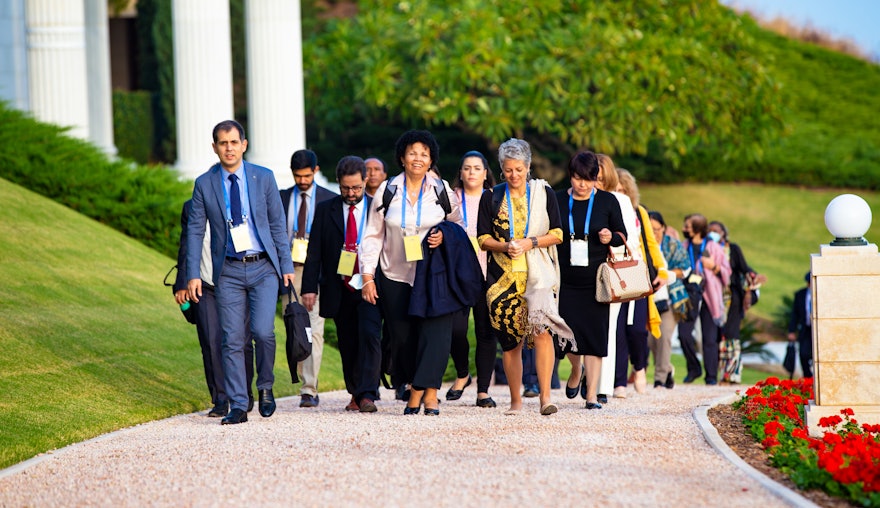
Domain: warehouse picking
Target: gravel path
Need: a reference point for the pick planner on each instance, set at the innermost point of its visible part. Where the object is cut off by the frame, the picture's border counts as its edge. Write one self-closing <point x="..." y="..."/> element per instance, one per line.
<point x="646" y="450"/>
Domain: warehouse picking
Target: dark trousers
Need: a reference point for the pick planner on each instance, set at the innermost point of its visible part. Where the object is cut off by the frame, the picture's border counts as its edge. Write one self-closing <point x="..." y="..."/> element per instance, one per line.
<point x="484" y="356"/>
<point x="710" y="345"/>
<point x="420" y="345"/>
<point x="805" y="350"/>
<point x="359" y="329"/>
<point x="632" y="340"/>
<point x="210" y="339"/>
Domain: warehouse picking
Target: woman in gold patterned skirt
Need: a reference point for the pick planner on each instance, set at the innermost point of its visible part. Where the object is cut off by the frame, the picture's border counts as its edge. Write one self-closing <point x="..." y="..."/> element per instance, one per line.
<point x="523" y="272"/>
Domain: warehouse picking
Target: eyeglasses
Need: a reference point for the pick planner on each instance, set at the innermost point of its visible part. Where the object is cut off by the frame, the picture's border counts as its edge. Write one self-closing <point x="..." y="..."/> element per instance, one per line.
<point x="345" y="189"/>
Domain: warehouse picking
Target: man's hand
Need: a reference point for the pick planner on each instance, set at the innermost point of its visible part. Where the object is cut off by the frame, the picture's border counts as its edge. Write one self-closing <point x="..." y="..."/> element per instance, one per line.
<point x="180" y="296"/>
<point x="194" y="289"/>
<point x="287" y="279"/>
<point x="308" y="300"/>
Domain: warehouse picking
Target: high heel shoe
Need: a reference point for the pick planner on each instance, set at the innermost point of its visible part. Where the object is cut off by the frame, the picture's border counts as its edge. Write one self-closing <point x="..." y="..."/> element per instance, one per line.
<point x="456" y="394"/>
<point x="432" y="412"/>
<point x="411" y="410"/>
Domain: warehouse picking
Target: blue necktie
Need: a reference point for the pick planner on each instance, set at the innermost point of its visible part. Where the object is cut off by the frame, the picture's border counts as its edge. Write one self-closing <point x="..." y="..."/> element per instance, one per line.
<point x="235" y="200"/>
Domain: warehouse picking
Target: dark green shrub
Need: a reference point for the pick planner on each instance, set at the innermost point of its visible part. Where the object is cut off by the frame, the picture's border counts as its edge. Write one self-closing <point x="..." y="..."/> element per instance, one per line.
<point x="133" y="124"/>
<point x="143" y="202"/>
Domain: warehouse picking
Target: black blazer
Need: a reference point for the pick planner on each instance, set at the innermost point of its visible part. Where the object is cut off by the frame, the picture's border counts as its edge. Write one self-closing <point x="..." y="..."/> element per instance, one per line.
<point x="322" y="259"/>
<point x="321" y="195"/>
<point x="180" y="281"/>
<point x="798" y="321"/>
<point x="449" y="277"/>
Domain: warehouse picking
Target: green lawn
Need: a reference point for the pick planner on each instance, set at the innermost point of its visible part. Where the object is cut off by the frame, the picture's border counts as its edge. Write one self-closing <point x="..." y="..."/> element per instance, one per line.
<point x="92" y="341"/>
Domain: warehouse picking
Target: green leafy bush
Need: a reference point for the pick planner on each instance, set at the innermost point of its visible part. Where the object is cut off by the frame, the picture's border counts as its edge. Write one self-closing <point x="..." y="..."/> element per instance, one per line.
<point x="133" y="124"/>
<point x="143" y="202"/>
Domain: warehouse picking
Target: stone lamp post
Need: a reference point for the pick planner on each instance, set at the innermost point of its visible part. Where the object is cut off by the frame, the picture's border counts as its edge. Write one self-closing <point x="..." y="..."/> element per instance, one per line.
<point x="845" y="289"/>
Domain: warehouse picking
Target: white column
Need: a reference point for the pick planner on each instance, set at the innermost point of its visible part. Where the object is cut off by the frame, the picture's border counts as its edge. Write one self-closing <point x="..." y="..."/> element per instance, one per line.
<point x="276" y="108"/>
<point x="202" y="79"/>
<point x="98" y="65"/>
<point x="56" y="47"/>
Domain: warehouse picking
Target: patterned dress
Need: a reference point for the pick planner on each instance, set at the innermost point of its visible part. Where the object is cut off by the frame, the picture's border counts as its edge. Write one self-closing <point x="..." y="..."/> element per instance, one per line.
<point x="507" y="306"/>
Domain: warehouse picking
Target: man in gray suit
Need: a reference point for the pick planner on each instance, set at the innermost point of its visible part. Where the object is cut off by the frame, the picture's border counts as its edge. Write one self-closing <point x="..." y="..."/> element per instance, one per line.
<point x="249" y="254"/>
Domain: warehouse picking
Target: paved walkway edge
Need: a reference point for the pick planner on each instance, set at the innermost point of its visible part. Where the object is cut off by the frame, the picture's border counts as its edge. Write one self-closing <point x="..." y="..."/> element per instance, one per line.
<point x="701" y="415"/>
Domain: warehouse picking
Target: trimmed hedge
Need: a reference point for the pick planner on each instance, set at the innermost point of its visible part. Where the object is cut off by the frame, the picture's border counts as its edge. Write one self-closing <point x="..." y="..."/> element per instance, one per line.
<point x="144" y="202"/>
<point x="133" y="124"/>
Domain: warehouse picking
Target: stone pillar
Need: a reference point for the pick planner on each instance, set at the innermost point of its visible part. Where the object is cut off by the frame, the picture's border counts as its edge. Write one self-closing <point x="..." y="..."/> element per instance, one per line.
<point x="276" y="108"/>
<point x="202" y="79"/>
<point x="13" y="55"/>
<point x="98" y="65"/>
<point x="56" y="48"/>
<point x="845" y="319"/>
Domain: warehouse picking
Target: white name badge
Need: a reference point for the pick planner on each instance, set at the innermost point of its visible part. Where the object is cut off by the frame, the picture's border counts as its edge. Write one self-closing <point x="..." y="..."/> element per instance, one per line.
<point x="309" y="334"/>
<point x="695" y="278"/>
<point x="241" y="237"/>
<point x="519" y="264"/>
<point x="580" y="254"/>
<point x="299" y="250"/>
<point x="412" y="244"/>
<point x="346" y="263"/>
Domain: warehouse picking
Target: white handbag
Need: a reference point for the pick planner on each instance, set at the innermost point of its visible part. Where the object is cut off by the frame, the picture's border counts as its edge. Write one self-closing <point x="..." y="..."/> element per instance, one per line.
<point x="622" y="280"/>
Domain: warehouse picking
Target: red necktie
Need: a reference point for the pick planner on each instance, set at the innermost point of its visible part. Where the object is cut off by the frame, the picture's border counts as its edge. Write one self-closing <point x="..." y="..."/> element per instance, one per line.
<point x="351" y="236"/>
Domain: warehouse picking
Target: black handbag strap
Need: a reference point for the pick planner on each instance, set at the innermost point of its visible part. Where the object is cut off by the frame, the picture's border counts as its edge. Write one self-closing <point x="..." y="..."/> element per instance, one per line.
<point x="292" y="290"/>
<point x="165" y="280"/>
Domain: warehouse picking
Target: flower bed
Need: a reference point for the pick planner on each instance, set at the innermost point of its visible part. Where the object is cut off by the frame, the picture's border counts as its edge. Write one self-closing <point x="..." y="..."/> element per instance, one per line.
<point x="844" y="462"/>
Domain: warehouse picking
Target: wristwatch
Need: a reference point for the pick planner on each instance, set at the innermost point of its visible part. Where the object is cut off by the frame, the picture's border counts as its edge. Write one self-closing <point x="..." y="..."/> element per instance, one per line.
<point x="534" y="242"/>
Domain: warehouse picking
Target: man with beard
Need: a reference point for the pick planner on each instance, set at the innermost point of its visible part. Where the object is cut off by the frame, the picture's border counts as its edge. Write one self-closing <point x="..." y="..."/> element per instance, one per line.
<point x="300" y="203"/>
<point x="332" y="265"/>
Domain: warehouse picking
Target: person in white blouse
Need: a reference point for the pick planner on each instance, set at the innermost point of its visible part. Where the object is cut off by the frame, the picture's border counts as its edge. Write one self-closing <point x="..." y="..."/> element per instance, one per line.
<point x="392" y="243"/>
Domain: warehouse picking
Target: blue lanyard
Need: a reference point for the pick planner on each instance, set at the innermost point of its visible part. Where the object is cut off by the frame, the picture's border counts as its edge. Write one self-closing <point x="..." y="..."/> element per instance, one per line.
<point x="403" y="205"/>
<point x="310" y="216"/>
<point x="589" y="213"/>
<point x="360" y="227"/>
<point x="510" y="210"/>
<point x="698" y="265"/>
<point x="245" y="202"/>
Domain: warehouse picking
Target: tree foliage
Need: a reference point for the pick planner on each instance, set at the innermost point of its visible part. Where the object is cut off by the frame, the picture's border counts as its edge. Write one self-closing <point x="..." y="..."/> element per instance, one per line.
<point x="666" y="77"/>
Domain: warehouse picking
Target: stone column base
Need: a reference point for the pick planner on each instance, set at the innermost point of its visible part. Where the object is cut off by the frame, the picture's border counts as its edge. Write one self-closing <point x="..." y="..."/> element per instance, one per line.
<point x="813" y="413"/>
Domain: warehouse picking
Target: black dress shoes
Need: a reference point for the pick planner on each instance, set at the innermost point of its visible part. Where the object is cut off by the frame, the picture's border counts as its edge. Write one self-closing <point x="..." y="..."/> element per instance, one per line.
<point x="307" y="400"/>
<point x="572" y="392"/>
<point x="670" y="381"/>
<point x="250" y="401"/>
<point x="456" y="394"/>
<point x="486" y="402"/>
<point x="235" y="416"/>
<point x="219" y="409"/>
<point x="267" y="403"/>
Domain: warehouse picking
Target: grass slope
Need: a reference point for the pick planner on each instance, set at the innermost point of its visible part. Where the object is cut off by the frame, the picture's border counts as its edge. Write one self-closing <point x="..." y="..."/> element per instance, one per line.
<point x="777" y="227"/>
<point x="91" y="339"/>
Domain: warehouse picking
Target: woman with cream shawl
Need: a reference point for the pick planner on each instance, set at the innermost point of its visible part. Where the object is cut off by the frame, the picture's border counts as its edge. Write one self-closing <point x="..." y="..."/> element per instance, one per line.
<point x="523" y="272"/>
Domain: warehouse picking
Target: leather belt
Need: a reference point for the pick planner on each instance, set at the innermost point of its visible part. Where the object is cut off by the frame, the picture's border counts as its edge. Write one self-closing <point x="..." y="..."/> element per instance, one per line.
<point x="250" y="258"/>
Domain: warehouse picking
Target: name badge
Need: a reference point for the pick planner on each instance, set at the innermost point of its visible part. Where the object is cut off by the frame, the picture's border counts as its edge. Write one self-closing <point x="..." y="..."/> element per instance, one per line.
<point x="475" y="243"/>
<point x="580" y="254"/>
<point x="519" y="264"/>
<point x="695" y="278"/>
<point x="412" y="245"/>
<point x="299" y="250"/>
<point x="241" y="237"/>
<point x="309" y="334"/>
<point x="346" y="263"/>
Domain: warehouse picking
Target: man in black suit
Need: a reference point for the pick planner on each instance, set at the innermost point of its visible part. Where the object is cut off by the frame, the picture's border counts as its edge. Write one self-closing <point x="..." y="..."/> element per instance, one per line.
<point x="300" y="203"/>
<point x="800" y="326"/>
<point x="330" y="264"/>
<point x="208" y="324"/>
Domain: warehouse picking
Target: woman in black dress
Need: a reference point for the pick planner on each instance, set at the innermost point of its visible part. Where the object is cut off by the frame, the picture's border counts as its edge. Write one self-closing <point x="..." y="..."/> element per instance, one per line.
<point x="580" y="255"/>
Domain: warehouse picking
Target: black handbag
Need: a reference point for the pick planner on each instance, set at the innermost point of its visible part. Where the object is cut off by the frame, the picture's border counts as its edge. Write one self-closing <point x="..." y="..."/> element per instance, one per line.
<point x="790" y="357"/>
<point x="299" y="333"/>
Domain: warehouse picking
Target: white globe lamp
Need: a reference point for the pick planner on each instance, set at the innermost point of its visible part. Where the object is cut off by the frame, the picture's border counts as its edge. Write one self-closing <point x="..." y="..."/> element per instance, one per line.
<point x="848" y="218"/>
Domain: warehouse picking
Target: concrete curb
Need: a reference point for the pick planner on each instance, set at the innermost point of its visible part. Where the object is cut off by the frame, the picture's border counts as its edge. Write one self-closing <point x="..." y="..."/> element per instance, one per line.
<point x="701" y="415"/>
